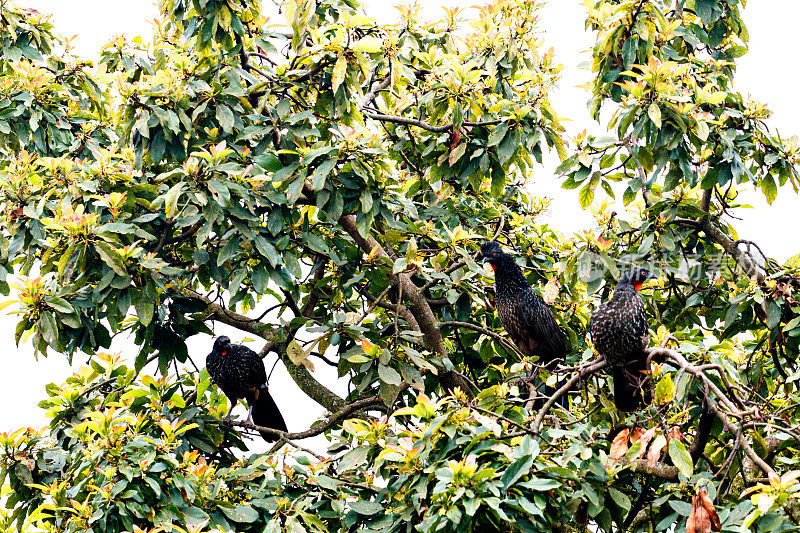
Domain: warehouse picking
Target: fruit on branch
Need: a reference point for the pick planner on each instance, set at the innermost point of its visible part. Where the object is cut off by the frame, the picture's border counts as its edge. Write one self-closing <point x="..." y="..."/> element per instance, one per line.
<point x="619" y="332"/>
<point x="240" y="373"/>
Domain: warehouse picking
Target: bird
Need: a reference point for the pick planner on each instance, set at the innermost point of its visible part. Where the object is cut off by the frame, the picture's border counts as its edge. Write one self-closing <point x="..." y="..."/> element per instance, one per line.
<point x="240" y="373"/>
<point x="525" y="316"/>
<point x="619" y="332"/>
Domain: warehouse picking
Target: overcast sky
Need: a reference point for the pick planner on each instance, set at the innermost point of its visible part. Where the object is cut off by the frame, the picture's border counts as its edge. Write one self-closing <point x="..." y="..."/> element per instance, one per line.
<point x="766" y="73"/>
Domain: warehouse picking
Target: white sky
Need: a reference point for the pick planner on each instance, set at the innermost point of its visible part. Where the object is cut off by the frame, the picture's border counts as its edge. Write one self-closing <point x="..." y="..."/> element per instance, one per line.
<point x="766" y="73"/>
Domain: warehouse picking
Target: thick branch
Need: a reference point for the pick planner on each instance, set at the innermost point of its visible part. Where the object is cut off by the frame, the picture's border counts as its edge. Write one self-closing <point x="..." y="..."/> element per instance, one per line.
<point x="273" y="335"/>
<point x="742" y="258"/>
<point x="659" y="469"/>
<point x="714" y="232"/>
<point x="373" y="92"/>
<point x="417" y="305"/>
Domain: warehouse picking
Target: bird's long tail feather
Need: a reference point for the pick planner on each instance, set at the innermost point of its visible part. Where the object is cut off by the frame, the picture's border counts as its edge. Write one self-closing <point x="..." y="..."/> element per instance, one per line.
<point x="267" y="414"/>
<point x="631" y="387"/>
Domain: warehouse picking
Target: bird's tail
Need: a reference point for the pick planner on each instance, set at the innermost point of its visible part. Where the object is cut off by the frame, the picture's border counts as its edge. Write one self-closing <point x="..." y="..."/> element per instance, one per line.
<point x="631" y="386"/>
<point x="267" y="414"/>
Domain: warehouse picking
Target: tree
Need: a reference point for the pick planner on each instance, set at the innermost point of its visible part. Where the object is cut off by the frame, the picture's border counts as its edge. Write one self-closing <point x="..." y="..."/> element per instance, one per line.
<point x="325" y="191"/>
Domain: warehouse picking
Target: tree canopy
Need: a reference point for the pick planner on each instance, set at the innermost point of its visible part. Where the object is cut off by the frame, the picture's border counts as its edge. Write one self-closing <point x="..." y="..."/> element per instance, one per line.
<point x="323" y="187"/>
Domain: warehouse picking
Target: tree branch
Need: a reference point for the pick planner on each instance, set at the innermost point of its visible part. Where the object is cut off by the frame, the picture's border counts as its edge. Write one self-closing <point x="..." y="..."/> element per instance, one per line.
<point x="276" y="340"/>
<point x="422" y="124"/>
<point x="583" y="371"/>
<point x="417" y="305"/>
<point x="710" y="386"/>
<point x="485" y="331"/>
<point x="330" y="421"/>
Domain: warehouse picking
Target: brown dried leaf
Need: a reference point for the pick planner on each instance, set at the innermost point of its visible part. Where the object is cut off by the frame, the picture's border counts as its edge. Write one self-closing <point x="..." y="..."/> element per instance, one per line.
<point x="705" y="499"/>
<point x="675" y="433"/>
<point x="619" y="446"/>
<point x="643" y="437"/>
<point x="654" y="453"/>
<point x="308" y="364"/>
<point x="455" y="138"/>
<point x="698" y="521"/>
<point x="636" y="434"/>
<point x="550" y="291"/>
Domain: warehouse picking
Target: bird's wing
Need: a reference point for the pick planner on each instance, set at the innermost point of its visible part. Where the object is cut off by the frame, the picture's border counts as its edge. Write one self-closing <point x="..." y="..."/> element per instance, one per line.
<point x="253" y="372"/>
<point x="538" y="321"/>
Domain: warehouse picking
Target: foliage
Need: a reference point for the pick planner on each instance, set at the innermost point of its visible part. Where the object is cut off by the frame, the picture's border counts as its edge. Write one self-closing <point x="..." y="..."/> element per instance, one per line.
<point x="325" y="189"/>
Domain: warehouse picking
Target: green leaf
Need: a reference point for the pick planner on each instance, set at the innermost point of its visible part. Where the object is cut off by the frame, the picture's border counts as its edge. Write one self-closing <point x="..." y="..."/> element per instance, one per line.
<point x="266" y="249"/>
<point x="665" y="390"/>
<point x="225" y="117"/>
<point x="620" y="499"/>
<point x="366" y="508"/>
<point x="321" y="173"/>
<point x="586" y="196"/>
<point x="769" y="188"/>
<point x="497" y="134"/>
<point x="773" y="315"/>
<point x="144" y="309"/>
<point x="48" y="328"/>
<point x="705" y="10"/>
<point x="516" y="470"/>
<point x="680" y="457"/>
<point x="171" y="199"/>
<point x="59" y="304"/>
<point x="389" y="375"/>
<point x="793" y="323"/>
<point x="111" y="257"/>
<point x="243" y="514"/>
<point x="498" y="184"/>
<point x="353" y="459"/>
<point x="702" y="130"/>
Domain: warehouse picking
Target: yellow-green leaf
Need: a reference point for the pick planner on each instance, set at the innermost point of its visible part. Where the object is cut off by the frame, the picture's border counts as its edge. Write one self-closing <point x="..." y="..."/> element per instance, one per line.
<point x="369" y="44"/>
<point x="654" y="112"/>
<point x="665" y="390"/>
<point x="339" y="70"/>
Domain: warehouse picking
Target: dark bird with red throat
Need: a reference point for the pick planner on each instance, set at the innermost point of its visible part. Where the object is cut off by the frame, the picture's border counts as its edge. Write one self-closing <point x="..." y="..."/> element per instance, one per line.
<point x="619" y="332"/>
<point x="239" y="372"/>
<point x="523" y="313"/>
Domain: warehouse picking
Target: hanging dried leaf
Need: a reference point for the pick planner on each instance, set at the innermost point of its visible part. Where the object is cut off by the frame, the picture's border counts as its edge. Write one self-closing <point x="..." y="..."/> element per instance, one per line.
<point x="709" y="506"/>
<point x="654" y="453"/>
<point x="675" y="433"/>
<point x="308" y="364"/>
<point x="700" y="520"/>
<point x="643" y="437"/>
<point x="550" y="292"/>
<point x="619" y="446"/>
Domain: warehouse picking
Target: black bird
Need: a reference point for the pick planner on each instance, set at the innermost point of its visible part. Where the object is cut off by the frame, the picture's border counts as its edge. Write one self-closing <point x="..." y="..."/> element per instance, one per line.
<point x="240" y="373"/>
<point x="619" y="332"/>
<point x="523" y="313"/>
